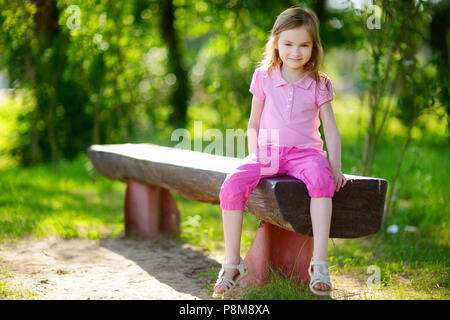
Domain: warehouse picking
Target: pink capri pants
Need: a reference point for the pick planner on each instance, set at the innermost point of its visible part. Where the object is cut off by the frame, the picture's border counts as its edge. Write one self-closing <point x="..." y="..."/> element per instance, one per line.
<point x="307" y="165"/>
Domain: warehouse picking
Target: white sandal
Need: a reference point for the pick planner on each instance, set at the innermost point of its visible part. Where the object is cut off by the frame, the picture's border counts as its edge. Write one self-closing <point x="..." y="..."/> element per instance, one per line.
<point x="320" y="277"/>
<point x="227" y="283"/>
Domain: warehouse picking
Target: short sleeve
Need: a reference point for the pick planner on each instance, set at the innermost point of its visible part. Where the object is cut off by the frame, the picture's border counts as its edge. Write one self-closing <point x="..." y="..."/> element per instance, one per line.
<point x="324" y="91"/>
<point x="256" y="86"/>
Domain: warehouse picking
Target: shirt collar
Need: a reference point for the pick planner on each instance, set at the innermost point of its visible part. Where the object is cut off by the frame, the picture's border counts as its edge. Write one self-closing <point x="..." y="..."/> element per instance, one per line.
<point x="304" y="82"/>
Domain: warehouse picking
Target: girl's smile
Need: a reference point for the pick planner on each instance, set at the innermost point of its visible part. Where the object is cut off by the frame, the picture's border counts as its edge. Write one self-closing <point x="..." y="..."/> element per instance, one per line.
<point x="295" y="47"/>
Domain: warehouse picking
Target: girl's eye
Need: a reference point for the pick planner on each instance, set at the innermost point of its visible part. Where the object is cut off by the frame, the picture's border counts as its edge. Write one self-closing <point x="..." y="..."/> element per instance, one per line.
<point x="303" y="45"/>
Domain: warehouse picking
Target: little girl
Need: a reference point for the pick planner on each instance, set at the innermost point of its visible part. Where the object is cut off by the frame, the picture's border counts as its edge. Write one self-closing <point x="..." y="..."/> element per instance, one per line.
<point x="289" y="92"/>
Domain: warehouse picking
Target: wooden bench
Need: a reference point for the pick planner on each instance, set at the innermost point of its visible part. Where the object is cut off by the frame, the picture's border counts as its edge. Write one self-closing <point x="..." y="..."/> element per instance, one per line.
<point x="283" y="238"/>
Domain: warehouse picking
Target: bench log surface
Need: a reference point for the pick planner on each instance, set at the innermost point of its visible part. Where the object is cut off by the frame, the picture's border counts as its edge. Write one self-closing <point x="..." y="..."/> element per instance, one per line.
<point x="281" y="200"/>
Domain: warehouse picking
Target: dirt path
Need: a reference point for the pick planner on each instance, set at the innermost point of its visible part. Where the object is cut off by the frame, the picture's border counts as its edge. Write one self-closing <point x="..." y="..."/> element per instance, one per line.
<point x="108" y="269"/>
<point x="120" y="268"/>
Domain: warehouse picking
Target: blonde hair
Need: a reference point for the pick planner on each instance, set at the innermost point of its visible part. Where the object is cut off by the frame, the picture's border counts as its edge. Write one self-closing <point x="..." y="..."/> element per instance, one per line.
<point x="293" y="18"/>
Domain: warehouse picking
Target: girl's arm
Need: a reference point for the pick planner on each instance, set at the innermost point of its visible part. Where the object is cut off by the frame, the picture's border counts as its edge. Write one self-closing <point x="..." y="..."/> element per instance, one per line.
<point x="253" y="123"/>
<point x="333" y="141"/>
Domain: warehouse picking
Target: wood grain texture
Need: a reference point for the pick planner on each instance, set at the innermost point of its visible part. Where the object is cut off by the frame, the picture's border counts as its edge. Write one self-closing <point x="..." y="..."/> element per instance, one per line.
<point x="281" y="200"/>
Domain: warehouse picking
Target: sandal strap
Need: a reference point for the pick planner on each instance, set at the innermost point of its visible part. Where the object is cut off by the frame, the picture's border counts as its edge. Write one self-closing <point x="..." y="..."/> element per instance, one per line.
<point x="240" y="266"/>
<point x="320" y="278"/>
<point x="319" y="262"/>
<point x="323" y="264"/>
<point x="225" y="282"/>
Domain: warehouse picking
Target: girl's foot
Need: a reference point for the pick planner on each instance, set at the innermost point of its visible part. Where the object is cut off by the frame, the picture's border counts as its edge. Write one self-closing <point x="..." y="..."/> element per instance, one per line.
<point x="228" y="277"/>
<point x="229" y="273"/>
<point x="321" y="286"/>
<point x="320" y="280"/>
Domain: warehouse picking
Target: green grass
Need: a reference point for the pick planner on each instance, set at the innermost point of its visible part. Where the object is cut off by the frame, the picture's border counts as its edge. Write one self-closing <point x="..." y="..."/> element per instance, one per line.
<point x="280" y="287"/>
<point x="73" y="201"/>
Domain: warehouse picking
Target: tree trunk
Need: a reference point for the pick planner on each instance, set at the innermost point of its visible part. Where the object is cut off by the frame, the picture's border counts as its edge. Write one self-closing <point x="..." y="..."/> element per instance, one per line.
<point x="35" y="137"/>
<point x="97" y="108"/>
<point x="181" y="93"/>
<point x="51" y="126"/>
<point x="439" y="26"/>
<point x="47" y="30"/>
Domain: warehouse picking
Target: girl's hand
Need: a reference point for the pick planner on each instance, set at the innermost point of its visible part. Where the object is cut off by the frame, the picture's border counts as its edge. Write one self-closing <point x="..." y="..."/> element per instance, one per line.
<point x="339" y="179"/>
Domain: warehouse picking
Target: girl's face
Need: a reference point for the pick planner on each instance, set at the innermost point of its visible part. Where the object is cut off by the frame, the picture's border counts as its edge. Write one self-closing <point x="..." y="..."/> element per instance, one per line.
<point x="295" y="47"/>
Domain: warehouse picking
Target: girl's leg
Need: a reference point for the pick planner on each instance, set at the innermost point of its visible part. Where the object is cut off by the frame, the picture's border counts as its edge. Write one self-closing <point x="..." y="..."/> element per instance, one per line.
<point x="314" y="170"/>
<point x="321" y="218"/>
<point x="234" y="193"/>
<point x="232" y="230"/>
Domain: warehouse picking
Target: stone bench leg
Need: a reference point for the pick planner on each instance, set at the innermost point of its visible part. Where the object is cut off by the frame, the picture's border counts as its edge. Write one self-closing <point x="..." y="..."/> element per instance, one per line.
<point x="149" y="210"/>
<point x="288" y="251"/>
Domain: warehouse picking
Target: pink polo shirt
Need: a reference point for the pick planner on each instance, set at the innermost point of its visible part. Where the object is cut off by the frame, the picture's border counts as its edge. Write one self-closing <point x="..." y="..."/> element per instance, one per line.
<point x="292" y="108"/>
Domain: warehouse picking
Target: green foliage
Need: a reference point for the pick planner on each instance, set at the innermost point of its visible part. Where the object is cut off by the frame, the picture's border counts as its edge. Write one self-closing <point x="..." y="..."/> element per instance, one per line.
<point x="120" y="76"/>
